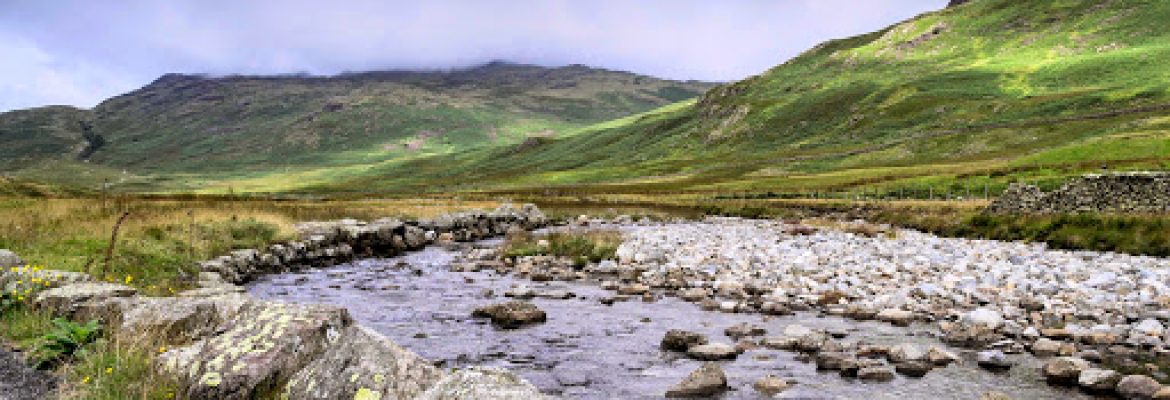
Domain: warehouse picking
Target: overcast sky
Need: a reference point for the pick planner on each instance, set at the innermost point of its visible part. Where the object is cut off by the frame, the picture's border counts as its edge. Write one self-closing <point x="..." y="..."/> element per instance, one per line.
<point x="79" y="52"/>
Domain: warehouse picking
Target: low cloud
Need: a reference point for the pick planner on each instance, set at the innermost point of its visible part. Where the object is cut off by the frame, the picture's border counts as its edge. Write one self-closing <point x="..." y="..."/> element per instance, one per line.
<point x="80" y="52"/>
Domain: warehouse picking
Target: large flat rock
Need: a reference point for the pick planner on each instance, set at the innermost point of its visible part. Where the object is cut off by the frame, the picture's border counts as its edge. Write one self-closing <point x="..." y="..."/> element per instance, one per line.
<point x="363" y="363"/>
<point x="257" y="352"/>
<point x="166" y="320"/>
<point x="69" y="299"/>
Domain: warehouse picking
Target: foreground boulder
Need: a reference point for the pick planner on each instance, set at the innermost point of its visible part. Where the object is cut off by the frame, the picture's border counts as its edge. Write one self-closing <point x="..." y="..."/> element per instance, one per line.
<point x="363" y="363"/>
<point x="708" y="380"/>
<point x="680" y="340"/>
<point x="480" y="383"/>
<point x="511" y="315"/>
<point x="256" y="352"/>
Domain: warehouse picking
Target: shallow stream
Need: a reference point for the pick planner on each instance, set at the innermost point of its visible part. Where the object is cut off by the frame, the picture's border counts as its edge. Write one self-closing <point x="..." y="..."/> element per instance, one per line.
<point x="587" y="350"/>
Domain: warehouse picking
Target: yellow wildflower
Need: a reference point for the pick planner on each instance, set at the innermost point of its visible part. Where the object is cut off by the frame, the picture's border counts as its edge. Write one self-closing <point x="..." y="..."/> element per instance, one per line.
<point x="162" y="349"/>
<point x="85" y="380"/>
<point x="109" y="370"/>
<point x="129" y="279"/>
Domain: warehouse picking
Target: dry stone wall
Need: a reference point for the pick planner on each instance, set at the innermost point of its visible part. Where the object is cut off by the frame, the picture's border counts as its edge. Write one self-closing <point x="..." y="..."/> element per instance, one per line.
<point x="324" y="244"/>
<point x="1136" y="192"/>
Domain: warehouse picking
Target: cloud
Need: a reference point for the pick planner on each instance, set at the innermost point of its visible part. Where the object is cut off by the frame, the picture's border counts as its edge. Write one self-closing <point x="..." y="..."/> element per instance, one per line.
<point x="79" y="52"/>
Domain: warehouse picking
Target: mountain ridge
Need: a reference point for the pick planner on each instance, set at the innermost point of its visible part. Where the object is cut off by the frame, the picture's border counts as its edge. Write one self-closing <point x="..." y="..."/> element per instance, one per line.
<point x="978" y="94"/>
<point x="197" y="123"/>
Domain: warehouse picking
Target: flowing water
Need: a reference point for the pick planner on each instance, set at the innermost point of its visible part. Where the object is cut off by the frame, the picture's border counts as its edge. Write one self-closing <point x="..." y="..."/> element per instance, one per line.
<point x="588" y="350"/>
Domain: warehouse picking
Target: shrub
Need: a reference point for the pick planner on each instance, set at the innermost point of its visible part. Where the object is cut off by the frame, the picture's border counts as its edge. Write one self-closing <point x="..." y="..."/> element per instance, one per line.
<point x="63" y="340"/>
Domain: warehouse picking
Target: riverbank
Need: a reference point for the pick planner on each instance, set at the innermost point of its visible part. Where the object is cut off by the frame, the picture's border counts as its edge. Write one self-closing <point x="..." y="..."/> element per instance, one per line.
<point x="1138" y="234"/>
<point x="155" y="252"/>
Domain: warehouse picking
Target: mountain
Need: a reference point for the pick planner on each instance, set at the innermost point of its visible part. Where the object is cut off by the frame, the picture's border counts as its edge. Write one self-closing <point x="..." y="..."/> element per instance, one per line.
<point x="179" y="128"/>
<point x="979" y="94"/>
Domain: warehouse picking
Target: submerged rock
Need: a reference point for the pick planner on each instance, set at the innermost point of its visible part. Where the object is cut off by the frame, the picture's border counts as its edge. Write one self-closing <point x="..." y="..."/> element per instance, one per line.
<point x="680" y="340"/>
<point x="708" y="380"/>
<point x="770" y="385"/>
<point x="511" y="315"/>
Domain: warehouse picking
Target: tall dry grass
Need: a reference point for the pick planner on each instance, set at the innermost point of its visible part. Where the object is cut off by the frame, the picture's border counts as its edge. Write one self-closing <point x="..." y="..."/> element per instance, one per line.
<point x="161" y="239"/>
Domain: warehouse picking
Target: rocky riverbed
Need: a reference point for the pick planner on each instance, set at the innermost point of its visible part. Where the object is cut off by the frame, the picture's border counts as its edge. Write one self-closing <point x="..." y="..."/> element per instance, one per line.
<point x="879" y="316"/>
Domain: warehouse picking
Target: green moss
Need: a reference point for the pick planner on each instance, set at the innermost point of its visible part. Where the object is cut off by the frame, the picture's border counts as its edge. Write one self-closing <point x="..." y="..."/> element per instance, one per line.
<point x="582" y="246"/>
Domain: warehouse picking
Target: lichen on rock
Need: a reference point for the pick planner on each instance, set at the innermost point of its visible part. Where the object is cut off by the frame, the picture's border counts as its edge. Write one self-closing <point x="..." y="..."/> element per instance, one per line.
<point x="363" y="364"/>
<point x="483" y="383"/>
<point x="257" y="351"/>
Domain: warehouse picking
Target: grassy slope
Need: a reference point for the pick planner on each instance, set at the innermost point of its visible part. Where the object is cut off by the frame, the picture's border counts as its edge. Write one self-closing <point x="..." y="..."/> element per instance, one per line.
<point x="186" y="131"/>
<point x="980" y="94"/>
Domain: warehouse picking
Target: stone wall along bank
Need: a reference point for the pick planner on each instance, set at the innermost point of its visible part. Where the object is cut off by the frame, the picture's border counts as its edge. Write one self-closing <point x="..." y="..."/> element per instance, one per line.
<point x="323" y="244"/>
<point x="1135" y="192"/>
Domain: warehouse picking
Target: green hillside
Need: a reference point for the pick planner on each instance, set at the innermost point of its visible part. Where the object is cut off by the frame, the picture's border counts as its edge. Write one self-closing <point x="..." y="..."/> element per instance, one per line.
<point x="978" y="94"/>
<point x="185" y="131"/>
